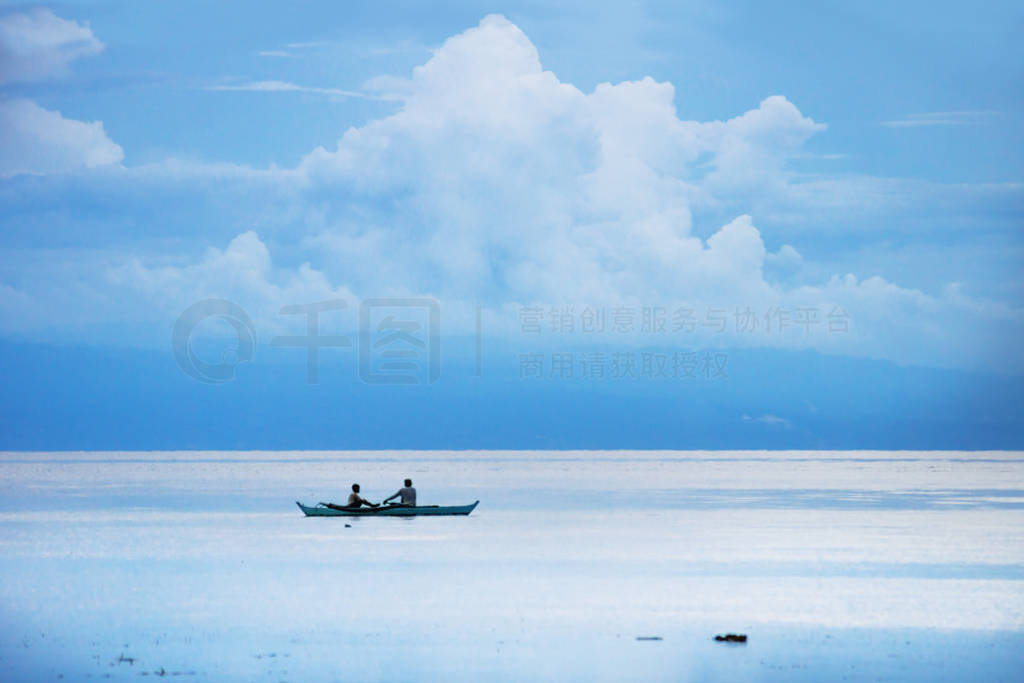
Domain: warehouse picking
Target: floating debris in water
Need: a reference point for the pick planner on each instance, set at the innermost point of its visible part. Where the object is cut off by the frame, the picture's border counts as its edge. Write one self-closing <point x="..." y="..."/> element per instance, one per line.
<point x="732" y="638"/>
<point x="649" y="638"/>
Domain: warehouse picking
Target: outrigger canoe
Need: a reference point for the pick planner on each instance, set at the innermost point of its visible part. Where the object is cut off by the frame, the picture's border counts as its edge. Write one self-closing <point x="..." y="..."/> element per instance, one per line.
<point x="327" y="510"/>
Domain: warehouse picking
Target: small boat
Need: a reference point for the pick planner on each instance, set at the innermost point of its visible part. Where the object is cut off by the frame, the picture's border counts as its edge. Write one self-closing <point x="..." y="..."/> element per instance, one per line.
<point x="329" y="510"/>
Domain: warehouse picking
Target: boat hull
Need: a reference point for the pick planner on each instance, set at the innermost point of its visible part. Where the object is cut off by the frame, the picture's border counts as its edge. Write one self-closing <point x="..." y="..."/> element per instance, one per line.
<point x="388" y="511"/>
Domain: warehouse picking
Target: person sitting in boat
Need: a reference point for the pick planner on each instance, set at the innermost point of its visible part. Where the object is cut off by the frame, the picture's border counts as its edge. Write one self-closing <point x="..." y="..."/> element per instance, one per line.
<point x="407" y="493"/>
<point x="355" y="500"/>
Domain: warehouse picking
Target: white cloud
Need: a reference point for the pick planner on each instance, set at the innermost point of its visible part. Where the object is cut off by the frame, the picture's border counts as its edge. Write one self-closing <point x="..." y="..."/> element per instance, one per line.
<point x="943" y="118"/>
<point x="750" y="150"/>
<point x="118" y="289"/>
<point x="37" y="140"/>
<point x="770" y="420"/>
<point x="38" y="44"/>
<point x="309" y="44"/>
<point x="242" y="272"/>
<point x="284" y="86"/>
<point x="497" y="176"/>
<point x="497" y="183"/>
<point x="786" y="257"/>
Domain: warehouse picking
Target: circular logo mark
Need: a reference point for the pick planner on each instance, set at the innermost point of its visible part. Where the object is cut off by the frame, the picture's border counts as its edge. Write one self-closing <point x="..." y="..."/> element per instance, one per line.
<point x="184" y="327"/>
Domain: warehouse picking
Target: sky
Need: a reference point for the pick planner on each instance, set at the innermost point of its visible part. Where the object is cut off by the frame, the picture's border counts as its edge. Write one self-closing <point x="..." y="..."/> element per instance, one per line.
<point x="601" y="211"/>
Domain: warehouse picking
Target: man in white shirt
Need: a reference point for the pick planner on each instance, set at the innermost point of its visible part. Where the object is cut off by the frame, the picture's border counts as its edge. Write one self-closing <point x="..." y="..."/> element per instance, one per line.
<point x="407" y="493"/>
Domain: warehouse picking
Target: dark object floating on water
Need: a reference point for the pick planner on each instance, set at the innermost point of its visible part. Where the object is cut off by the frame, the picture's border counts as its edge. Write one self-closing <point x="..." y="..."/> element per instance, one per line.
<point x="648" y="638"/>
<point x="732" y="638"/>
<point x="348" y="526"/>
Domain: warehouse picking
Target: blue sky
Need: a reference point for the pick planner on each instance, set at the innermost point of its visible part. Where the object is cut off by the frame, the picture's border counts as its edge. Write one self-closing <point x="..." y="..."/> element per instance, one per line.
<point x="853" y="161"/>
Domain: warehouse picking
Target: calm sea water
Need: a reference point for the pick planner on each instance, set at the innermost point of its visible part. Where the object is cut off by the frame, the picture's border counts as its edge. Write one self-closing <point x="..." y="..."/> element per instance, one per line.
<point x="868" y="566"/>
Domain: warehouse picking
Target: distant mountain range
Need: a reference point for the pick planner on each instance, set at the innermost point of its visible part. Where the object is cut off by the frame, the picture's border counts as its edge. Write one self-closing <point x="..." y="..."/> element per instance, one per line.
<point x="73" y="398"/>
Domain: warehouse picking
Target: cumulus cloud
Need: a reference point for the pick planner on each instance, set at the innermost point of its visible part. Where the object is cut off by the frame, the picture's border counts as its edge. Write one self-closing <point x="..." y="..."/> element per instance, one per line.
<point x="497" y="178"/>
<point x="750" y="150"/>
<point x="242" y="272"/>
<point x="37" y="140"/>
<point x="145" y="295"/>
<point x="496" y="183"/>
<point x="38" y="44"/>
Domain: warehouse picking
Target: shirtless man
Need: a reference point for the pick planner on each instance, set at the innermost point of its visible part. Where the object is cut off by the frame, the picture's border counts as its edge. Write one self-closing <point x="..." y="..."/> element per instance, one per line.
<point x="407" y="494"/>
<point x="355" y="500"/>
